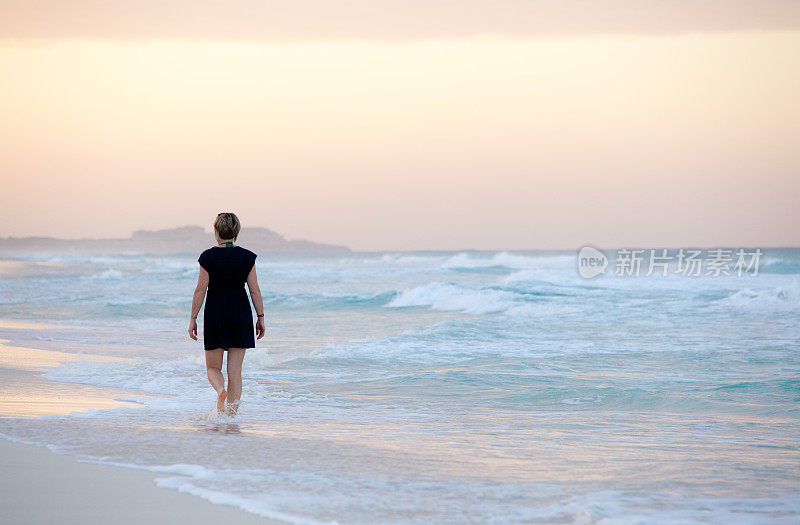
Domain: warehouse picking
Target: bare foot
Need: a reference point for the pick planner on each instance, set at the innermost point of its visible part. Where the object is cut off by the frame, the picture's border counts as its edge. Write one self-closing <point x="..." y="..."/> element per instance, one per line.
<point x="232" y="408"/>
<point x="221" y="400"/>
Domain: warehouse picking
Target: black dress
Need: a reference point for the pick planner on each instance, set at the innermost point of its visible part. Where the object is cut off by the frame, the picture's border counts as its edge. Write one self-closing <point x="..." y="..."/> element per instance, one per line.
<point x="227" y="319"/>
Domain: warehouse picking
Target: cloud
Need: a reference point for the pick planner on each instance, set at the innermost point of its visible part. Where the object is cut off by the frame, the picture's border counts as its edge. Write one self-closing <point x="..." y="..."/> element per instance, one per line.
<point x="297" y="20"/>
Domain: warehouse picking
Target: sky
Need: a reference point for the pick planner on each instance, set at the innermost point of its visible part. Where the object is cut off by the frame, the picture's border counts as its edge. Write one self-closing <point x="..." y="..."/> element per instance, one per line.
<point x="388" y="125"/>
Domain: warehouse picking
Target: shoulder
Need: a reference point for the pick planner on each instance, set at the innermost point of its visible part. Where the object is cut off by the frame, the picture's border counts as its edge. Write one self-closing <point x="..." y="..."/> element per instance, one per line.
<point x="205" y="255"/>
<point x="247" y="252"/>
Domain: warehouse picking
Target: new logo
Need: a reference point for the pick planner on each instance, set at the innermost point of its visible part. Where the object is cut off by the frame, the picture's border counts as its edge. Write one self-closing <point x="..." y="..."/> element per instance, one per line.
<point x="591" y="262"/>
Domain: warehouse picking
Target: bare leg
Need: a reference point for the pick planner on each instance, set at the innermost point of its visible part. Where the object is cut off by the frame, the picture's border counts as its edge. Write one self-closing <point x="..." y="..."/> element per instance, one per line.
<point x="235" y="360"/>
<point x="215" y="377"/>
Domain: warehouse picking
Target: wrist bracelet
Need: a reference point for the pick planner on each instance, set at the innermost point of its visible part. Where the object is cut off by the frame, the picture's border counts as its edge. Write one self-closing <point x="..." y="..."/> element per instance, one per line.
<point x="262" y="315"/>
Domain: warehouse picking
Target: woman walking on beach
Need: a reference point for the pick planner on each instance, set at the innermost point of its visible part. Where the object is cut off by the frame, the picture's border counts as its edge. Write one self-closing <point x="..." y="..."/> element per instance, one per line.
<point x="227" y="319"/>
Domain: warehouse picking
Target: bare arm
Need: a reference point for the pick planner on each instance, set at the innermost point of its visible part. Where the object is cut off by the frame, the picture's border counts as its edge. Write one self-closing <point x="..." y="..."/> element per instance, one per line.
<point x="197" y="301"/>
<point x="255" y="291"/>
<point x="258" y="302"/>
<point x="199" y="292"/>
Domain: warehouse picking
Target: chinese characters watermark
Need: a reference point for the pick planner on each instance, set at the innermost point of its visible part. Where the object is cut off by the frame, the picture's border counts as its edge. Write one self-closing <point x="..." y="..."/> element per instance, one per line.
<point x="693" y="263"/>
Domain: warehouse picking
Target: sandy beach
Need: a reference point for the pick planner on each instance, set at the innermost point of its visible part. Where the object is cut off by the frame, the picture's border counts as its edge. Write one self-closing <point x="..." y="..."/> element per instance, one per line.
<point x="40" y="486"/>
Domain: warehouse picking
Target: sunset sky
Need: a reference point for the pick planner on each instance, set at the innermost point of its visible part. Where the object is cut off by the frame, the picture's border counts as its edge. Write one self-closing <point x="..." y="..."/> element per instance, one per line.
<point x="388" y="125"/>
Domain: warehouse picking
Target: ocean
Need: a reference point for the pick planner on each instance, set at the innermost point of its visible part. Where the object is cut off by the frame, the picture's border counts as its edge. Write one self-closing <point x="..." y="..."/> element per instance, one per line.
<point x="438" y="387"/>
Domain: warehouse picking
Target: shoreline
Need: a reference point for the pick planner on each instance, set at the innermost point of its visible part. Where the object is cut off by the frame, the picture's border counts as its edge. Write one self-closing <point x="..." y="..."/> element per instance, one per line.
<point x="40" y="485"/>
<point x="25" y="394"/>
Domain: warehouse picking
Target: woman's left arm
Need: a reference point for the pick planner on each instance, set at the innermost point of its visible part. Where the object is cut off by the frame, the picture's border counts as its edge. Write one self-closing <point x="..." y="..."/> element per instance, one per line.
<point x="197" y="301"/>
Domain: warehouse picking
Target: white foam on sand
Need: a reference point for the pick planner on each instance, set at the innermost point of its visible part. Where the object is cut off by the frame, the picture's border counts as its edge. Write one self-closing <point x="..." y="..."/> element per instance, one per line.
<point x="38" y="486"/>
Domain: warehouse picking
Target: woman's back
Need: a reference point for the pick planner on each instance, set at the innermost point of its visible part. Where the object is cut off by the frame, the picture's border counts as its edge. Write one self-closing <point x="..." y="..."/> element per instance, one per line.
<point x="227" y="266"/>
<point x="227" y="318"/>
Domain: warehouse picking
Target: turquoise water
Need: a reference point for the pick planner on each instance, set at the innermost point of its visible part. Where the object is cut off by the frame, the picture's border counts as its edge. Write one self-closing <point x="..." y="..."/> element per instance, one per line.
<point x="441" y="387"/>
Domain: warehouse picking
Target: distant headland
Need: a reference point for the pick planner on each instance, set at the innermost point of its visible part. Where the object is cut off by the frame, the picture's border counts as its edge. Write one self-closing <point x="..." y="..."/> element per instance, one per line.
<point x="192" y="239"/>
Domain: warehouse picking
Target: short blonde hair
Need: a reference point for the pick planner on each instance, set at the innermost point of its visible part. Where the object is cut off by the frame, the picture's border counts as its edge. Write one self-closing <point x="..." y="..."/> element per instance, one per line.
<point x="227" y="225"/>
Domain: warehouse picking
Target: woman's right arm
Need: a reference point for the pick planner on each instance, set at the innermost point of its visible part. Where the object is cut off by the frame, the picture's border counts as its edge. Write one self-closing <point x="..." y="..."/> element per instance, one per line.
<point x="258" y="301"/>
<point x="197" y="301"/>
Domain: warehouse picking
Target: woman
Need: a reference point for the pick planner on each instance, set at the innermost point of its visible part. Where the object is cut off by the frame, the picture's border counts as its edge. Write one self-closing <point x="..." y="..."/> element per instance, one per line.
<point x="227" y="319"/>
